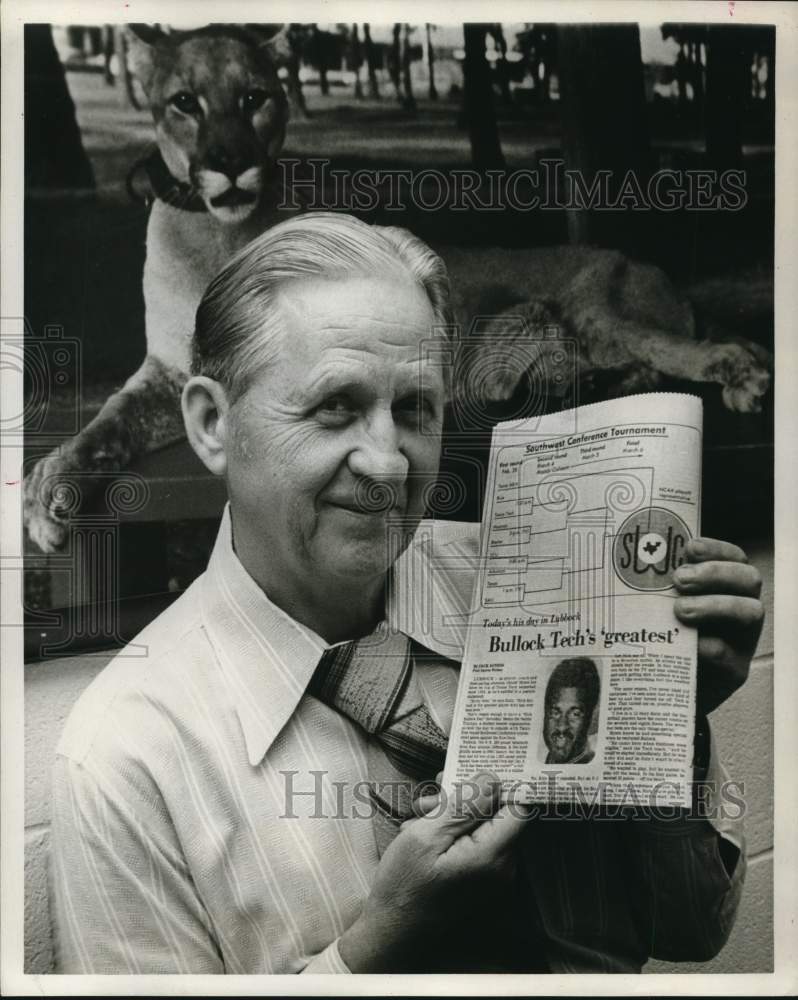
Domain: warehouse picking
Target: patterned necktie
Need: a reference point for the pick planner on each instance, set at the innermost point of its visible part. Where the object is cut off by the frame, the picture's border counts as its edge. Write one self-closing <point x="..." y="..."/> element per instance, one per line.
<point x="372" y="681"/>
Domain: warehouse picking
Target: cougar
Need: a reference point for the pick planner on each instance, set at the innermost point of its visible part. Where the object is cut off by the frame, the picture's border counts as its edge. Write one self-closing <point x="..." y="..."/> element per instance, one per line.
<point x="220" y="118"/>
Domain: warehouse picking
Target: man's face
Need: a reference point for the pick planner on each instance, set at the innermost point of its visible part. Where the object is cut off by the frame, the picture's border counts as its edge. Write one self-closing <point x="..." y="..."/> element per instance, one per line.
<point x="567" y="722"/>
<point x="334" y="443"/>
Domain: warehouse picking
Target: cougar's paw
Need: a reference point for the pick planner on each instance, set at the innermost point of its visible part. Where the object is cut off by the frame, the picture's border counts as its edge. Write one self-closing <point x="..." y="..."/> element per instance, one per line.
<point x="743" y="375"/>
<point x="49" y="498"/>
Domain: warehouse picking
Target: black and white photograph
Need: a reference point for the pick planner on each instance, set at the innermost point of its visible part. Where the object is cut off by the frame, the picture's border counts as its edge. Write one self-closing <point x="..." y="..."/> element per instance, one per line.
<point x="571" y="712"/>
<point x="268" y="288"/>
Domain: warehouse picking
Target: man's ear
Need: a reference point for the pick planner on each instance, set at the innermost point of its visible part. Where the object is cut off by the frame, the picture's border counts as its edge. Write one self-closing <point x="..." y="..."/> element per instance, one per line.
<point x="205" y="412"/>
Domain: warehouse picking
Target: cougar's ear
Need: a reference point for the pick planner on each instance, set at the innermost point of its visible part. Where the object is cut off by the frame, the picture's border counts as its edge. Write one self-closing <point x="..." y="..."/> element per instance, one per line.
<point x="141" y="42"/>
<point x="149" y="34"/>
<point x="278" y="45"/>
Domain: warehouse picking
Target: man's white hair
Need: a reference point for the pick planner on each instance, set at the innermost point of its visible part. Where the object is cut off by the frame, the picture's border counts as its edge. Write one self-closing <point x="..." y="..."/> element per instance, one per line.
<point x="237" y="319"/>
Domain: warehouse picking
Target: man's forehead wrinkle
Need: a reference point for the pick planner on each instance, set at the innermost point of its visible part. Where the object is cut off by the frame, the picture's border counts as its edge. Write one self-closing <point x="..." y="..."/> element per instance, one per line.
<point x="363" y="360"/>
<point x="367" y="343"/>
<point x="375" y="324"/>
<point x="334" y="368"/>
<point x="291" y="292"/>
<point x="329" y="333"/>
<point x="341" y="369"/>
<point x="343" y="320"/>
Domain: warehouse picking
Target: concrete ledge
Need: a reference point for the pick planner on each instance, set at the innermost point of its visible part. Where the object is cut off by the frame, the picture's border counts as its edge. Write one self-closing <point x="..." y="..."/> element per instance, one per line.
<point x="38" y="934"/>
<point x="743" y="728"/>
<point x="51" y="689"/>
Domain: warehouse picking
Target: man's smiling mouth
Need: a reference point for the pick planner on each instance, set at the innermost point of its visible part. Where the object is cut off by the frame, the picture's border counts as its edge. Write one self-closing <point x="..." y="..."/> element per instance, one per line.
<point x="374" y="500"/>
<point x="372" y="511"/>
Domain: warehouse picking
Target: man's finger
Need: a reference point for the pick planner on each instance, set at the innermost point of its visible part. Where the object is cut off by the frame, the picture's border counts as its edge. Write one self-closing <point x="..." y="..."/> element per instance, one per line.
<point x="706" y="549"/>
<point x="467" y="805"/>
<point x="716" y="577"/>
<point x="426" y="805"/>
<point x="496" y="835"/>
<point x="724" y="611"/>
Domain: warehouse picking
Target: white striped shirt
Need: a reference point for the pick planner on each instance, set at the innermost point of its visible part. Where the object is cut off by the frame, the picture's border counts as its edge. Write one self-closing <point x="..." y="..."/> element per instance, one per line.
<point x="208" y="812"/>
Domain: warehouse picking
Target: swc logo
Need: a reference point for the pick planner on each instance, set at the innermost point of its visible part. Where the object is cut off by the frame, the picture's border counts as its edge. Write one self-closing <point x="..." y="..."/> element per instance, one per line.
<point x="649" y="547"/>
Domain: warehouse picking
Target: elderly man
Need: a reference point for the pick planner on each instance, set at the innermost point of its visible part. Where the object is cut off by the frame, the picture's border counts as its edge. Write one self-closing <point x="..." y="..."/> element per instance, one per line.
<point x="234" y="803"/>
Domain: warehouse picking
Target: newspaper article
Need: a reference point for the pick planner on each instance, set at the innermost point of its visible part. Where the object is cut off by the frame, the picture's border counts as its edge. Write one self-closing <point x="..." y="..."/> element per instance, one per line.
<point x="577" y="678"/>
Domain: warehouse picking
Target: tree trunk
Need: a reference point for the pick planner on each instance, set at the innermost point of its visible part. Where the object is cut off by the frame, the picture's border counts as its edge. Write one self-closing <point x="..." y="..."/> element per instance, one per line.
<point x="357" y="59"/>
<point x="728" y="83"/>
<point x="409" y="102"/>
<point x="502" y="67"/>
<point x="371" y="63"/>
<point x="604" y="126"/>
<point x="320" y="55"/>
<point x="480" y="114"/>
<point x="108" y="52"/>
<point x="433" y="90"/>
<point x="296" y="98"/>
<point x="681" y="77"/>
<point x="545" y="84"/>
<point x="128" y="97"/>
<point x="396" y="61"/>
<point x="698" y="78"/>
<point x="54" y="154"/>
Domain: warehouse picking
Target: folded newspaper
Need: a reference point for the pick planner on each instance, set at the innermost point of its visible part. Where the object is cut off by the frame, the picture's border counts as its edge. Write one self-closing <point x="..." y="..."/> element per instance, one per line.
<point x="577" y="678"/>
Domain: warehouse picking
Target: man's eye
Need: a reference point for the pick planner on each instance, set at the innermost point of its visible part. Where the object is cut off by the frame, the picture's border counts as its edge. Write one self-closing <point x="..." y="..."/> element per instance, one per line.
<point x="186" y="103"/>
<point x="416" y="405"/>
<point x="253" y="99"/>
<point x="336" y="409"/>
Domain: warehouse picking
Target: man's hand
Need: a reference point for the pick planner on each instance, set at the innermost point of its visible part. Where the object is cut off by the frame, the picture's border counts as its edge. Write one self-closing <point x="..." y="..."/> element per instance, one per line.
<point x="719" y="595"/>
<point x="424" y="877"/>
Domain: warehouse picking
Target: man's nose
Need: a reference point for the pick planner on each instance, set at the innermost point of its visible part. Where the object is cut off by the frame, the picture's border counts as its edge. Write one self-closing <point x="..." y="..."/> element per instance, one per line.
<point x="378" y="455"/>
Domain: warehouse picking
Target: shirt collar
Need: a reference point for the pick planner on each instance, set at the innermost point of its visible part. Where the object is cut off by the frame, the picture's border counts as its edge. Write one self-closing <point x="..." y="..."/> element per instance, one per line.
<point x="268" y="658"/>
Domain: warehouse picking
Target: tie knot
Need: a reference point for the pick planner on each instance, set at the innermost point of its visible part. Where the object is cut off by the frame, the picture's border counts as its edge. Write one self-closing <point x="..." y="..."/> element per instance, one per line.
<point x="365" y="679"/>
<point x="372" y="682"/>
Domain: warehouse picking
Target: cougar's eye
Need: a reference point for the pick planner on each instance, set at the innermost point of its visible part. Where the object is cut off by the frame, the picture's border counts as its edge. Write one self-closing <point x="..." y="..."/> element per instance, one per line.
<point x="252" y="100"/>
<point x="186" y="102"/>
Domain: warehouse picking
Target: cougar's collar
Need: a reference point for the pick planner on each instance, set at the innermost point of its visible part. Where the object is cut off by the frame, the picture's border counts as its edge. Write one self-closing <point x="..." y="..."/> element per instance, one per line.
<point x="158" y="182"/>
